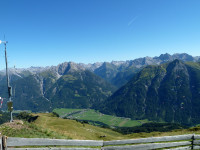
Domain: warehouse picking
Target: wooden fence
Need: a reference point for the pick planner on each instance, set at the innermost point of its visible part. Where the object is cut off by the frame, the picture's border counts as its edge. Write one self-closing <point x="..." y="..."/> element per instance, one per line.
<point x="180" y="142"/>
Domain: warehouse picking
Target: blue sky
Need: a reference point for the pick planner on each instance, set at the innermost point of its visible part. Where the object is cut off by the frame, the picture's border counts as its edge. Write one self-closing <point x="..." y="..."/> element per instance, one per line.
<point x="49" y="32"/>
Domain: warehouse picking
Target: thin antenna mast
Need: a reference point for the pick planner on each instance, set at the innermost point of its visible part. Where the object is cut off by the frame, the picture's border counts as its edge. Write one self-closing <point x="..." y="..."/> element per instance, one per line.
<point x="9" y="103"/>
<point x="8" y="84"/>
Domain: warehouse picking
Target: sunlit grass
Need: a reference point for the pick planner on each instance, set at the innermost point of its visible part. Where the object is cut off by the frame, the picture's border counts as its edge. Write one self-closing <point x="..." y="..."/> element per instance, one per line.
<point x="92" y="115"/>
<point x="49" y="126"/>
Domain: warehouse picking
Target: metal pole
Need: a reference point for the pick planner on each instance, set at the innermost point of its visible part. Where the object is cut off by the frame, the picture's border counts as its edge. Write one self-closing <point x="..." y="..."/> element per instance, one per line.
<point x="8" y="84"/>
<point x="7" y="69"/>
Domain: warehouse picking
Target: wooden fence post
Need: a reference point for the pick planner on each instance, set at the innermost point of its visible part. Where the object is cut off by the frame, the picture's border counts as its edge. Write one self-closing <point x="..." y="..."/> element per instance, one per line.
<point x="1" y="143"/>
<point x="4" y="144"/>
<point x="192" y="142"/>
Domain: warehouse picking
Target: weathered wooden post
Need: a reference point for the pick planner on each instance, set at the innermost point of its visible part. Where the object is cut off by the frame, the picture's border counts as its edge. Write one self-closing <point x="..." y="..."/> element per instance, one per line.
<point x="192" y="141"/>
<point x="0" y="143"/>
<point x="4" y="145"/>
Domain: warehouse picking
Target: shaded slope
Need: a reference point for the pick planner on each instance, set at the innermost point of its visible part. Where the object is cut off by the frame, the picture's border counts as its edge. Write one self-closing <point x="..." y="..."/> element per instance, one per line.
<point x="169" y="92"/>
<point x="28" y="94"/>
<point x="79" y="90"/>
<point x="44" y="91"/>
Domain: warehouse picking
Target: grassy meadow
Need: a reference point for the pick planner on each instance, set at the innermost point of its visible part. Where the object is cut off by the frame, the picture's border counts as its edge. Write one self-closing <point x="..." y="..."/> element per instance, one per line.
<point x="93" y="117"/>
<point x="76" y="130"/>
<point x="49" y="126"/>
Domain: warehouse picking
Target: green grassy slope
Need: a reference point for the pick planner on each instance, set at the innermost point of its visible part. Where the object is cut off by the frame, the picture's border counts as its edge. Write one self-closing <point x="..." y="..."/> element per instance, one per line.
<point x="95" y="116"/>
<point x="19" y="128"/>
<point x="74" y="129"/>
<point x="48" y="126"/>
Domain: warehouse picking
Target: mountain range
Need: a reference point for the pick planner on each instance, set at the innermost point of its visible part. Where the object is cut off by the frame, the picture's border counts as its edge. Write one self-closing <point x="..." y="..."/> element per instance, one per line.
<point x="111" y="87"/>
<point x="116" y="72"/>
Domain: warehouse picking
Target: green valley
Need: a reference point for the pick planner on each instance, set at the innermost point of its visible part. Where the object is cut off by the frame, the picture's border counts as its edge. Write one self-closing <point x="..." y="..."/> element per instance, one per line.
<point x="96" y="118"/>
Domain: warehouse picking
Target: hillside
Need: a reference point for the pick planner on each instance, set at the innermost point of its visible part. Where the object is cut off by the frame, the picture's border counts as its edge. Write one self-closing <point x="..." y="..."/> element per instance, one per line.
<point x="45" y="91"/>
<point x="49" y="126"/>
<point x="167" y="92"/>
<point x="79" y="90"/>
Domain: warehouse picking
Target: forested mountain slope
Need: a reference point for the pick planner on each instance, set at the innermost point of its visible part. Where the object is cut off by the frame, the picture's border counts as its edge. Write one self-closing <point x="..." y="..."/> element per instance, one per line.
<point x="168" y="92"/>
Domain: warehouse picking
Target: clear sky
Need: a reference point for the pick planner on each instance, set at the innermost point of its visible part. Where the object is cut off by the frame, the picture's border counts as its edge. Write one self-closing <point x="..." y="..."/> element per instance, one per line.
<point x="49" y="32"/>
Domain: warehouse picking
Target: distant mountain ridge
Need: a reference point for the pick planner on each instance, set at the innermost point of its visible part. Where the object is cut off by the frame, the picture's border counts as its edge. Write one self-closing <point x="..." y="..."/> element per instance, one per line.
<point x="137" y="62"/>
<point x="116" y="72"/>
<point x="45" y="88"/>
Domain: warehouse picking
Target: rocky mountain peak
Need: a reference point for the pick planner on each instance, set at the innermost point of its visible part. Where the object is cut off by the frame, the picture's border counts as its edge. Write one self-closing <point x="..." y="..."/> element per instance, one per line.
<point x="118" y="63"/>
<point x="184" y="57"/>
<point x="165" y="56"/>
<point x="66" y="67"/>
<point x="147" y="60"/>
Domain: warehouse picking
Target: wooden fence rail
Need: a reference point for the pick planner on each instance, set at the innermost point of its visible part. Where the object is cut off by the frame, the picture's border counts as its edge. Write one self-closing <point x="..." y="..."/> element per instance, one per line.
<point x="179" y="142"/>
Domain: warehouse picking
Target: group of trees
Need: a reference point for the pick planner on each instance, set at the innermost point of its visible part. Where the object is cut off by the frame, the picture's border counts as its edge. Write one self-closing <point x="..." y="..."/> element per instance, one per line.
<point x="151" y="127"/>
